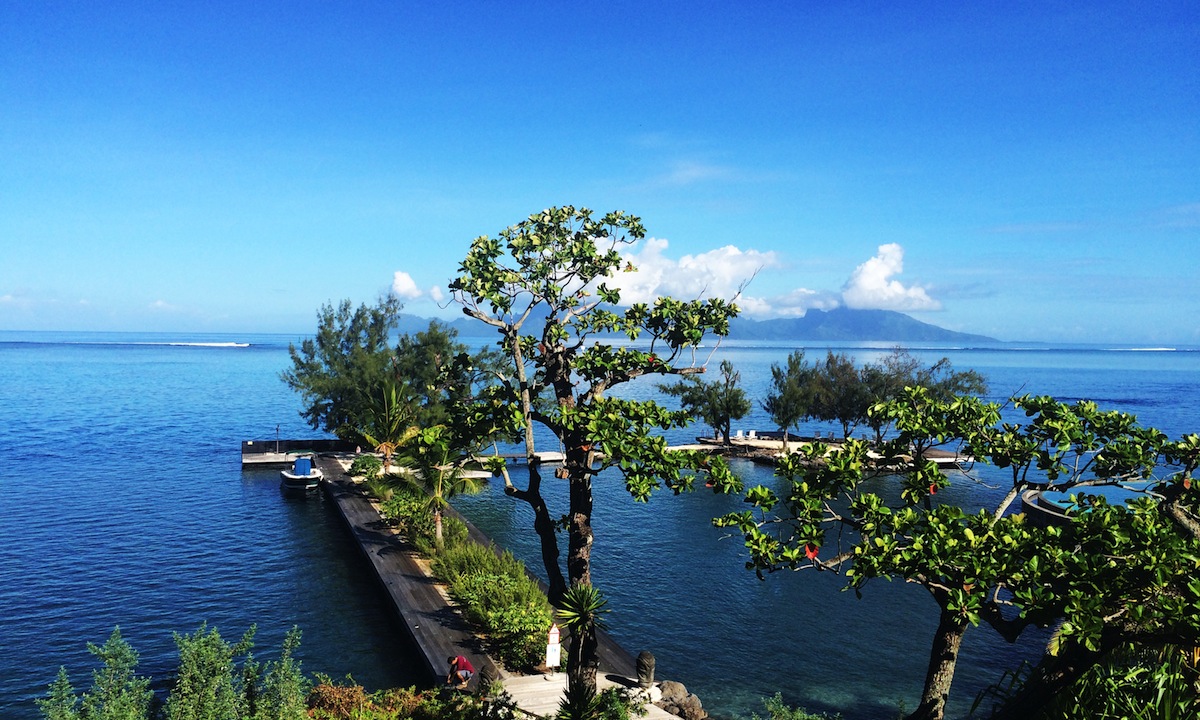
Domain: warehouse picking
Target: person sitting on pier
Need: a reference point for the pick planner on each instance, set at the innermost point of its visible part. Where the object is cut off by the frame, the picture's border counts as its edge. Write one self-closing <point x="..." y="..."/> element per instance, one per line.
<point x="461" y="671"/>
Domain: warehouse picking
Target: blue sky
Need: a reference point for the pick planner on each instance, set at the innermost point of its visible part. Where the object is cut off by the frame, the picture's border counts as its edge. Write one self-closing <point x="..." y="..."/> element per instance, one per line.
<point x="1029" y="171"/>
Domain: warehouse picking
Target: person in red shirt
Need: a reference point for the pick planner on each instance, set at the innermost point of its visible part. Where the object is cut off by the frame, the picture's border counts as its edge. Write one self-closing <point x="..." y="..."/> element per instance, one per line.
<point x="461" y="671"/>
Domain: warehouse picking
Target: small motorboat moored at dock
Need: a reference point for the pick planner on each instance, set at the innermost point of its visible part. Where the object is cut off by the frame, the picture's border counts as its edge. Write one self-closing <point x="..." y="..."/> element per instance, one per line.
<point x="302" y="477"/>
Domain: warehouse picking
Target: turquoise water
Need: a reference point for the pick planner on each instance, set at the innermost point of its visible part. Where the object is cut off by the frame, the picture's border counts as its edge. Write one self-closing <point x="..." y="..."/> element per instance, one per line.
<point x="124" y="504"/>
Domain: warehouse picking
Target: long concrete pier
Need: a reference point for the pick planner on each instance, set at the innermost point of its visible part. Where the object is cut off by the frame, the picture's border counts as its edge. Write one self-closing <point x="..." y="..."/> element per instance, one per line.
<point x="426" y="613"/>
<point x="430" y="618"/>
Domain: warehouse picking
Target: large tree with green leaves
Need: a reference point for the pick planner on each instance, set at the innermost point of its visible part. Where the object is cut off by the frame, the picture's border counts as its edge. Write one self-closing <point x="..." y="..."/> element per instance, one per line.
<point x="717" y="403"/>
<point x="356" y="385"/>
<point x="1110" y="576"/>
<point x="837" y="392"/>
<point x="543" y="285"/>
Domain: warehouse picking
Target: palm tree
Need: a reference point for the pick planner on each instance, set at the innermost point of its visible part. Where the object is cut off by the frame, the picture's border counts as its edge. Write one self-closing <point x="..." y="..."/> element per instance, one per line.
<point x="582" y="613"/>
<point x="386" y="424"/>
<point x="437" y="461"/>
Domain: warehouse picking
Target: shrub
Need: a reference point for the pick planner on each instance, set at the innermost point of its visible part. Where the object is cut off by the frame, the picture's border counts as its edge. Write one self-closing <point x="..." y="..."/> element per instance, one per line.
<point x="519" y="633"/>
<point x="380" y="488"/>
<point x="331" y="701"/>
<point x="777" y="709"/>
<point x="408" y="508"/>
<point x="498" y="596"/>
<point x="366" y="466"/>
<point x="473" y="559"/>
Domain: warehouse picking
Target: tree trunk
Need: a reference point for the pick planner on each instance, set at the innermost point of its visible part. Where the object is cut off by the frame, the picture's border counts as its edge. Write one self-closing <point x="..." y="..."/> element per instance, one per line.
<point x="583" y="659"/>
<point x="942" y="657"/>
<point x="579" y="529"/>
<point x="546" y="532"/>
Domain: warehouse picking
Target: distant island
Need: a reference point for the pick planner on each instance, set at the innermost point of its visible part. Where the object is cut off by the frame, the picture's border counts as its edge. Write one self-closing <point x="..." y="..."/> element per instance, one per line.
<point x="839" y="324"/>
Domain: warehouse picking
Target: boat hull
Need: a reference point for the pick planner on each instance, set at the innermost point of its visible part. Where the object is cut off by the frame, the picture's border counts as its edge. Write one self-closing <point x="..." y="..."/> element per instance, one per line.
<point x="300" y="483"/>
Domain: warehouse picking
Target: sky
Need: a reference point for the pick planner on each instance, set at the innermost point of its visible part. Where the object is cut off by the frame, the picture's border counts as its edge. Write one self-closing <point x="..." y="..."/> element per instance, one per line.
<point x="1026" y="171"/>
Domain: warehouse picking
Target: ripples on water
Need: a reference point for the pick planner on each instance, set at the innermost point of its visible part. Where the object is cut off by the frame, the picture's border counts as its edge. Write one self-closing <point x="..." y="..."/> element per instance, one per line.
<point x="124" y="504"/>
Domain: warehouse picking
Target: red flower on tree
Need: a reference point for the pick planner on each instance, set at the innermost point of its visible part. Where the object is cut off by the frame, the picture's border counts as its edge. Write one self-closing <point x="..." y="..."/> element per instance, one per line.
<point x="810" y="551"/>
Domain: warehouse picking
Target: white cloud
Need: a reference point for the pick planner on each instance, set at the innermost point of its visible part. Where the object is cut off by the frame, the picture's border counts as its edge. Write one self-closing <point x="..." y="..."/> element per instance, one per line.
<point x="436" y="294"/>
<point x="163" y="306"/>
<point x="871" y="286"/>
<point x="404" y="287"/>
<point x="798" y="302"/>
<point x="717" y="273"/>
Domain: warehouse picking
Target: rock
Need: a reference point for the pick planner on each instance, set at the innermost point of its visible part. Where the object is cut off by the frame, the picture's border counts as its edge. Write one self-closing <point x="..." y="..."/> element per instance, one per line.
<point x="678" y="701"/>
<point x="691" y="709"/>
<point x="672" y="691"/>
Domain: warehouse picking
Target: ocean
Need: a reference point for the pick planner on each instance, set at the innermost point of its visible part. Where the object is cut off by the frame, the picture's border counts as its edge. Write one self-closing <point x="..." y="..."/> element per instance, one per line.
<point x="124" y="504"/>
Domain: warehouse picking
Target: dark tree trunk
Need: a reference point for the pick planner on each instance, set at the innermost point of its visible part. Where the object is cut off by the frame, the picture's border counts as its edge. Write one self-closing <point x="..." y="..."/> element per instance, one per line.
<point x="583" y="658"/>
<point x="579" y="529"/>
<point x="942" y="658"/>
<point x="545" y="529"/>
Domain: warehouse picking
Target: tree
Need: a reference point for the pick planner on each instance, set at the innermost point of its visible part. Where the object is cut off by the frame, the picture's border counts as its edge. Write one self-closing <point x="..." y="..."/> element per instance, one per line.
<point x="437" y="458"/>
<point x="543" y="285"/>
<point x="117" y="692"/>
<point x="582" y="612"/>
<point x="206" y="686"/>
<point x="339" y="371"/>
<point x="887" y="379"/>
<point x="387" y="422"/>
<point x="791" y="395"/>
<point x="717" y="403"/>
<point x="837" y="393"/>
<point x="285" y="689"/>
<point x="1112" y="575"/>
<point x="427" y="362"/>
<point x="61" y="703"/>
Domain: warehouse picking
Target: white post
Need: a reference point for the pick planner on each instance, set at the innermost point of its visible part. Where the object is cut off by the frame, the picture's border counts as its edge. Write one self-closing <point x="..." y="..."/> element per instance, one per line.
<point x="553" y="649"/>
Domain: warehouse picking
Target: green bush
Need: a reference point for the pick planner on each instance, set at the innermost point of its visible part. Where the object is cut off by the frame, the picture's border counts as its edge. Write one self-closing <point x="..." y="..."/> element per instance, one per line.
<point x="334" y="701"/>
<point x="498" y="596"/>
<point x="409" y="509"/>
<point x="380" y="488"/>
<point x="366" y="466"/>
<point x="777" y="709"/>
<point x="474" y="559"/>
<point x="518" y="633"/>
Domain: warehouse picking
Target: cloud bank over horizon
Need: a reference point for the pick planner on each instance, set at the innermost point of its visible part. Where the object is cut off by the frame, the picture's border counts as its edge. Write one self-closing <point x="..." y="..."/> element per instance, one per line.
<point x="727" y="271"/>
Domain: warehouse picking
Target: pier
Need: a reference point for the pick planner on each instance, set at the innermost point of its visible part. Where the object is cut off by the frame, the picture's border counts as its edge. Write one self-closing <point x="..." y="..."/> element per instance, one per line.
<point x="429" y="616"/>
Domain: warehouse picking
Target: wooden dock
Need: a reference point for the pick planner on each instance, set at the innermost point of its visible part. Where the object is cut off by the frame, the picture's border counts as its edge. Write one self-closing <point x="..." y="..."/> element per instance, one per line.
<point x="433" y="624"/>
<point x="429" y="617"/>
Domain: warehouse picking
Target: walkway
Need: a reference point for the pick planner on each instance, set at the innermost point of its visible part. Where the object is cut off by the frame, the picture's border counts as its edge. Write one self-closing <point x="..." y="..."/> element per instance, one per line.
<point x="436" y="627"/>
<point x="430" y="618"/>
<point x="540" y="695"/>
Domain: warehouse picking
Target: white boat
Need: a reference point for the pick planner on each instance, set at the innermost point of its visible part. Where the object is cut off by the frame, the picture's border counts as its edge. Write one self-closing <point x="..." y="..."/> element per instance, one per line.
<point x="303" y="476"/>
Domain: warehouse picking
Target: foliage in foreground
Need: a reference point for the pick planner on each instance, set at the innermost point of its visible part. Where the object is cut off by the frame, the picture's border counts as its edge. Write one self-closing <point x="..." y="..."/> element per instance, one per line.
<point x="209" y="684"/>
<point x="1110" y="576"/>
<point x="777" y="709"/>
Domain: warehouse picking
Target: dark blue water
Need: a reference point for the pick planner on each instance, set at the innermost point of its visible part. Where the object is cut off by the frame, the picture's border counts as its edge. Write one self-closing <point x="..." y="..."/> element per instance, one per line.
<point x="124" y="504"/>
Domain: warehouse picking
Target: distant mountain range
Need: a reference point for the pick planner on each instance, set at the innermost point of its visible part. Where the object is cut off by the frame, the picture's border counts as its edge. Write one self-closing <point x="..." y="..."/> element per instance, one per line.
<point x="840" y="324"/>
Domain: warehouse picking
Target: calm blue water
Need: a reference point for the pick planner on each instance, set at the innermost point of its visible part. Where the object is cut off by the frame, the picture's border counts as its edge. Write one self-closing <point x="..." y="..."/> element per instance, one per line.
<point x="124" y="504"/>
